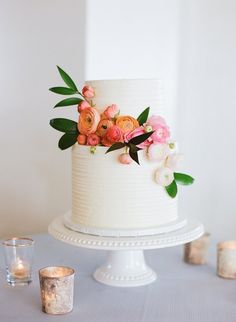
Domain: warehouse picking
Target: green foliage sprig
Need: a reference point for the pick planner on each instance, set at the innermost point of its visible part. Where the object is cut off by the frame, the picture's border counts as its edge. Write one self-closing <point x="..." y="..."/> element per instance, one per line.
<point x="131" y="145"/>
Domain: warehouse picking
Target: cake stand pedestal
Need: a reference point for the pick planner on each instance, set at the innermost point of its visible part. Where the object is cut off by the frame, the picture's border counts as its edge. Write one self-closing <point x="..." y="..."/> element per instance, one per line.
<point x="125" y="265"/>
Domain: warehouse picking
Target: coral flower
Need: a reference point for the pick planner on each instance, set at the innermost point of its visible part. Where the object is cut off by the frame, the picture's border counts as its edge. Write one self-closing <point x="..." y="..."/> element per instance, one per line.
<point x="88" y="91"/>
<point x="82" y="139"/>
<point x="111" y="111"/>
<point x="88" y="121"/>
<point x="127" y="123"/>
<point x="114" y="134"/>
<point x="125" y="158"/>
<point x="83" y="105"/>
<point x="93" y="139"/>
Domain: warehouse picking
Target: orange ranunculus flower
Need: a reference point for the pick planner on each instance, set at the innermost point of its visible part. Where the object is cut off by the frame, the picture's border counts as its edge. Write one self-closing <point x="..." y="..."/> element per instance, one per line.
<point x="127" y="123"/>
<point x="88" y="121"/>
<point x="103" y="126"/>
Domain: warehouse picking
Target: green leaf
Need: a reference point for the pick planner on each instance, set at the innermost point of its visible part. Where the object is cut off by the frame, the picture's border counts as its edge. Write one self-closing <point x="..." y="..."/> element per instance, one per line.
<point x="63" y="90"/>
<point x="64" y="125"/>
<point x="183" y="178"/>
<point x="116" y="146"/>
<point x="140" y="138"/>
<point x="134" y="156"/>
<point x="69" y="101"/>
<point x="143" y="116"/>
<point x="67" y="79"/>
<point x="172" y="189"/>
<point x="67" y="140"/>
<point x="134" y="148"/>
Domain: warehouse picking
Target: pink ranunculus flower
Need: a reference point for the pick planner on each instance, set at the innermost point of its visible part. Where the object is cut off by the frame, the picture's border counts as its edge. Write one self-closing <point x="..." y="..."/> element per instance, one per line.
<point x="161" y="134"/>
<point x="125" y="158"/>
<point x="154" y="121"/>
<point x="161" y="130"/>
<point x="138" y="131"/>
<point x="93" y="139"/>
<point x="111" y="111"/>
<point x="88" y="121"/>
<point x="83" y="105"/>
<point x="114" y="134"/>
<point x="88" y="91"/>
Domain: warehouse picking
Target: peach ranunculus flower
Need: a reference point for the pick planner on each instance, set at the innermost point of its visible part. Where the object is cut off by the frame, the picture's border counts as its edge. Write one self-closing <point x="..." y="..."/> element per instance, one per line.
<point x="88" y="91"/>
<point x="93" y="139"/>
<point x="111" y="111"/>
<point x="127" y="123"/>
<point x="88" y="121"/>
<point x="103" y="126"/>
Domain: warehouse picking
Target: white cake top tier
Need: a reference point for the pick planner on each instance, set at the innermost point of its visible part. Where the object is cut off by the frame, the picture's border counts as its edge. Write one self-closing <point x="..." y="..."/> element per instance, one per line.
<point x="131" y="95"/>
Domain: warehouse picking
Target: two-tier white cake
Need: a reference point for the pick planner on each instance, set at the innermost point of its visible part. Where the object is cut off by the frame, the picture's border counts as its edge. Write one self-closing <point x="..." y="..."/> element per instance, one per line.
<point x="110" y="198"/>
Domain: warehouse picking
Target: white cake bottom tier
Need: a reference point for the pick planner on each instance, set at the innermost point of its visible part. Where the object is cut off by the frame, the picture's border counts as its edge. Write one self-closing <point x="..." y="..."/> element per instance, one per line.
<point x="109" y="195"/>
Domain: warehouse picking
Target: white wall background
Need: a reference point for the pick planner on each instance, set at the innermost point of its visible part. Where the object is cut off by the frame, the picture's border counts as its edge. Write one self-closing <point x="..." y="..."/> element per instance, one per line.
<point x="189" y="44"/>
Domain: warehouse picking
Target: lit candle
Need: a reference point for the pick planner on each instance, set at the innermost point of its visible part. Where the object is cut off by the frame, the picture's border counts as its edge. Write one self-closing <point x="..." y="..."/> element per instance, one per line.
<point x="20" y="269"/>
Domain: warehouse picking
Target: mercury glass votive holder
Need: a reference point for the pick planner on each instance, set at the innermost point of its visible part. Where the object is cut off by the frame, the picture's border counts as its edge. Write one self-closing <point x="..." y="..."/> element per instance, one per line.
<point x="226" y="259"/>
<point x="18" y="252"/>
<point x="196" y="251"/>
<point x="57" y="289"/>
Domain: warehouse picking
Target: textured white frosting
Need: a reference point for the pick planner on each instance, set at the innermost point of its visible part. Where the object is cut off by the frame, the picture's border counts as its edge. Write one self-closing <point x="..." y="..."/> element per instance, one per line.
<point x="108" y="195"/>
<point x="132" y="96"/>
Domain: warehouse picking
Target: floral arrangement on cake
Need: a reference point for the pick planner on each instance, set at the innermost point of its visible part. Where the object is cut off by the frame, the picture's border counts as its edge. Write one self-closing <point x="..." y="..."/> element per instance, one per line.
<point x="116" y="131"/>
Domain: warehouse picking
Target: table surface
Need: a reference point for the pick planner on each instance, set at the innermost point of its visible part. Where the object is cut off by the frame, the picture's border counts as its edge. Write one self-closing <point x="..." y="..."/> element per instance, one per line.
<point x="182" y="292"/>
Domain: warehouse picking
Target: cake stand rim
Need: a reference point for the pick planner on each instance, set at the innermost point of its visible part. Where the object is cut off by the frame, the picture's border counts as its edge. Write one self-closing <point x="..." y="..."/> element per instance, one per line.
<point x="191" y="231"/>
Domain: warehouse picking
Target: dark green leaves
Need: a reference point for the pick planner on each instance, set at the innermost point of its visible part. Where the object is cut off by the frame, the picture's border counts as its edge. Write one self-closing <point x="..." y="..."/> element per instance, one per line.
<point x="134" y="156"/>
<point x="67" y="79"/>
<point x="116" y="146"/>
<point x="64" y="125"/>
<point x="63" y="90"/>
<point x="140" y="138"/>
<point x="172" y="189"/>
<point x="67" y="140"/>
<point x="69" y="101"/>
<point x="183" y="178"/>
<point x="143" y="116"/>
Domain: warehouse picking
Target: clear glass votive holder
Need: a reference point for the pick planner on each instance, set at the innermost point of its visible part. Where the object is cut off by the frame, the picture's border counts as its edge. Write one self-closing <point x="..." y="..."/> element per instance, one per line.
<point x="57" y="289"/>
<point x="18" y="253"/>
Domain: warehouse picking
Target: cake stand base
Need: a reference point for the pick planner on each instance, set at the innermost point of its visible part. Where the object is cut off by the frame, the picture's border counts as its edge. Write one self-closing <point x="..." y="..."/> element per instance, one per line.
<point x="125" y="265"/>
<point x="125" y="268"/>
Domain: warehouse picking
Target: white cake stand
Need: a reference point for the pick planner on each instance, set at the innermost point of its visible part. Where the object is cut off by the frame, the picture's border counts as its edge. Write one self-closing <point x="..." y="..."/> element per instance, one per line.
<point x="125" y="265"/>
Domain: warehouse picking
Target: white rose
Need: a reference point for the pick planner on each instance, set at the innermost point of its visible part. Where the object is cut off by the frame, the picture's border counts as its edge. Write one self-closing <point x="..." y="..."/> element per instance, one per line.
<point x="164" y="176"/>
<point x="174" y="161"/>
<point x="158" y="152"/>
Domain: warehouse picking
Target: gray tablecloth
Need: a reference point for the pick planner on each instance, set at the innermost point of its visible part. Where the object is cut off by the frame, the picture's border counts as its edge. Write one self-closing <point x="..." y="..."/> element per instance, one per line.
<point x="182" y="292"/>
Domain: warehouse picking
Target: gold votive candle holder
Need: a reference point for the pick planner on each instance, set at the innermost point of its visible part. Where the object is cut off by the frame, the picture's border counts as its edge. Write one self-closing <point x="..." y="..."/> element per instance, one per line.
<point x="226" y="259"/>
<point x="18" y="253"/>
<point x="196" y="252"/>
<point x="57" y="289"/>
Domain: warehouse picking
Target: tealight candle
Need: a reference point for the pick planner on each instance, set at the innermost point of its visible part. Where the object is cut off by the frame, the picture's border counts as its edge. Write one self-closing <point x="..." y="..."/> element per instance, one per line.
<point x="226" y="259"/>
<point x="18" y="256"/>
<point x="20" y="269"/>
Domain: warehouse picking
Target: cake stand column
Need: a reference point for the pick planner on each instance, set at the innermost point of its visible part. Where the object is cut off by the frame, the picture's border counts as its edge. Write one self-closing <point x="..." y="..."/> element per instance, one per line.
<point x="125" y="268"/>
